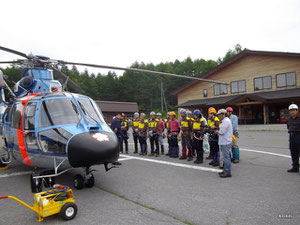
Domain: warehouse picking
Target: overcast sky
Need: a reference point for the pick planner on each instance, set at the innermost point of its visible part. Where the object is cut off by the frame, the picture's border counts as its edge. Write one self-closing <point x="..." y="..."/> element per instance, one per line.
<point x="119" y="32"/>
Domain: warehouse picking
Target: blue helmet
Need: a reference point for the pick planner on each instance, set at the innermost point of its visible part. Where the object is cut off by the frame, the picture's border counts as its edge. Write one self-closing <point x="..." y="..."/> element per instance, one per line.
<point x="197" y="112"/>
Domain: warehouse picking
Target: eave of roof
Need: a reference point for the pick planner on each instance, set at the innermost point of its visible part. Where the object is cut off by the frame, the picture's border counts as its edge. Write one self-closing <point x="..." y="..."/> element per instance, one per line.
<point x="232" y="60"/>
<point x="261" y="96"/>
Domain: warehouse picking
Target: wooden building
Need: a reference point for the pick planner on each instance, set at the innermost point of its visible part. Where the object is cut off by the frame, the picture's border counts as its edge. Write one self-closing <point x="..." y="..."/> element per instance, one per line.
<point x="260" y="87"/>
<point x="110" y="108"/>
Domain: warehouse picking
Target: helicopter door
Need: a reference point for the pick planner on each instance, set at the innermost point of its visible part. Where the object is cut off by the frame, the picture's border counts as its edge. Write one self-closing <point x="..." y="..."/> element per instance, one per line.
<point x="29" y="127"/>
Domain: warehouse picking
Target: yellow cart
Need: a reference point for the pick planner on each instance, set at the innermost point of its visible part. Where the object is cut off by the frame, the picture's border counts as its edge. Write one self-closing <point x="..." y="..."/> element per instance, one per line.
<point x="58" y="199"/>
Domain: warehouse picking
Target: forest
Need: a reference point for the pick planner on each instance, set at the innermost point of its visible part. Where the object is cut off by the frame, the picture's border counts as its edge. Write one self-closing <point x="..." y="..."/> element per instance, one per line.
<point x="137" y="87"/>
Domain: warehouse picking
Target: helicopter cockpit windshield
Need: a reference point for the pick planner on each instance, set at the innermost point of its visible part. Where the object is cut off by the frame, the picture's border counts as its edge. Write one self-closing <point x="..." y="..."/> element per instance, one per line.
<point x="90" y="110"/>
<point x="58" y="111"/>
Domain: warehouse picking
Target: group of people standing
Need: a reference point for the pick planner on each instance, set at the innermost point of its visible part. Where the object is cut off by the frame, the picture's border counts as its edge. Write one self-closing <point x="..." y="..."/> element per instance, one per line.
<point x="221" y="128"/>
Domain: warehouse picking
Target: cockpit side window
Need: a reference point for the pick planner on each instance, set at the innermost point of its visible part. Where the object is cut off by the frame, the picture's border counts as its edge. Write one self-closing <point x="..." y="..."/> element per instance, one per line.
<point x="16" y="115"/>
<point x="29" y="116"/>
<point x="5" y="117"/>
<point x="58" y="111"/>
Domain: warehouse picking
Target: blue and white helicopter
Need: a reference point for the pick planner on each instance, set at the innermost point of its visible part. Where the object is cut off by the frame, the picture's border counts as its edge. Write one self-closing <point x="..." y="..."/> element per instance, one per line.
<point x="51" y="130"/>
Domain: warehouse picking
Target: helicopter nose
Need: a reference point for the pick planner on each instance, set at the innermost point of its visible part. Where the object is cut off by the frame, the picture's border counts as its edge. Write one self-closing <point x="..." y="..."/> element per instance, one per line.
<point x="93" y="148"/>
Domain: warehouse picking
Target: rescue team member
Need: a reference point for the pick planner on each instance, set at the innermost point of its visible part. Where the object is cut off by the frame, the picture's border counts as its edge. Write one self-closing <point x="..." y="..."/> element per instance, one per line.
<point x="168" y="132"/>
<point x="213" y="123"/>
<point x="293" y="125"/>
<point x="174" y="127"/>
<point x="235" y="148"/>
<point x="161" y="135"/>
<point x="197" y="135"/>
<point x="116" y="127"/>
<point x="191" y="117"/>
<point x="135" y="128"/>
<point x="186" y="128"/>
<point x="153" y="134"/>
<point x="225" y="141"/>
<point x="124" y="131"/>
<point x="142" y="132"/>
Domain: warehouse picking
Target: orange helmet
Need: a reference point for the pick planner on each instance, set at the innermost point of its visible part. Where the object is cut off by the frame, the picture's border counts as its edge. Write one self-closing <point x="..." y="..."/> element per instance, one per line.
<point x="172" y="113"/>
<point x="212" y="110"/>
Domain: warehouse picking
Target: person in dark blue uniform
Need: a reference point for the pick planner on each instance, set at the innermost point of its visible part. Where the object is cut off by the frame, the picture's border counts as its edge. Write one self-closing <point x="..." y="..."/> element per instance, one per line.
<point x="293" y="125"/>
<point x="116" y="127"/>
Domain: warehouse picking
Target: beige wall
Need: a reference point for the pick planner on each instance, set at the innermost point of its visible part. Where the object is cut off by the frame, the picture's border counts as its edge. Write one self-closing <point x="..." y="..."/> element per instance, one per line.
<point x="246" y="68"/>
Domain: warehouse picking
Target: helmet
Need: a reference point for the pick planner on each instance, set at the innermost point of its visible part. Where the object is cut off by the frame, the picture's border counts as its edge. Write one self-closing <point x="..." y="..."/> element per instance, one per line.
<point x="158" y="114"/>
<point x="152" y="114"/>
<point x="172" y="113"/>
<point x="229" y="109"/>
<point x="212" y="110"/>
<point x="222" y="111"/>
<point x="189" y="112"/>
<point x="136" y="114"/>
<point x="142" y="114"/>
<point x="168" y="113"/>
<point x="182" y="111"/>
<point x="197" y="112"/>
<point x="293" y="106"/>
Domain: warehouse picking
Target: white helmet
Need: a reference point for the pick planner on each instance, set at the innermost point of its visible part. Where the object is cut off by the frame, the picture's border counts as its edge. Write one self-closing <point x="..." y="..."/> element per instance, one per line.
<point x="142" y="114"/>
<point x="293" y="106"/>
<point x="158" y="114"/>
<point x="152" y="114"/>
<point x="136" y="114"/>
<point x="189" y="112"/>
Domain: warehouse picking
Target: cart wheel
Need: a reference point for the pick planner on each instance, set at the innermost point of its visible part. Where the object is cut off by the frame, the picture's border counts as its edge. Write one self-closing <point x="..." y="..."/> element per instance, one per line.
<point x="68" y="211"/>
<point x="90" y="182"/>
<point x="49" y="181"/>
<point x="78" y="182"/>
<point x="36" y="184"/>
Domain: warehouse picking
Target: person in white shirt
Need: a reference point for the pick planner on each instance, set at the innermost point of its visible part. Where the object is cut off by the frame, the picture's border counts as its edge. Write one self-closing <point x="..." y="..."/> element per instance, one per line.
<point x="225" y="141"/>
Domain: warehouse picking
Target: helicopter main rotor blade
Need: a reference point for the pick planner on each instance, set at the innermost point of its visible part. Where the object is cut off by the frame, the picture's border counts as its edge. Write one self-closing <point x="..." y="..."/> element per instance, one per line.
<point x="14" y="52"/>
<point x="143" y="71"/>
<point x="8" y="62"/>
<point x="70" y="83"/>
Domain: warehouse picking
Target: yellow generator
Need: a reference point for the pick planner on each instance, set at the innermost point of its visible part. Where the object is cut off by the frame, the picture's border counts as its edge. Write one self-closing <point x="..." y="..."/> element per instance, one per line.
<point x="58" y="199"/>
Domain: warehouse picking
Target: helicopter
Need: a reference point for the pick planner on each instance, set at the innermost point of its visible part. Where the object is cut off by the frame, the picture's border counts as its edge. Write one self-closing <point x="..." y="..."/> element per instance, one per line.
<point x="52" y="130"/>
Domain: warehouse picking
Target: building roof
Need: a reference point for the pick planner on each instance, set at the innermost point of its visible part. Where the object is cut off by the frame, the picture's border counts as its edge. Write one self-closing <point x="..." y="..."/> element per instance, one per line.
<point x="233" y="60"/>
<point x="261" y="96"/>
<point x="110" y="106"/>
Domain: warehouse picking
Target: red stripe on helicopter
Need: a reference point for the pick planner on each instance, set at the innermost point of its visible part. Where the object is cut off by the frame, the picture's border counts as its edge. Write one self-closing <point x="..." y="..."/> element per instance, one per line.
<point x="21" y="137"/>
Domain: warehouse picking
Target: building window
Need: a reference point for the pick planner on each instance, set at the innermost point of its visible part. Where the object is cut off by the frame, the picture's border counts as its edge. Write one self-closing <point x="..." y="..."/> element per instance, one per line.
<point x="262" y="83"/>
<point x="204" y="93"/>
<point x="286" y="79"/>
<point x="238" y="86"/>
<point x="220" y="89"/>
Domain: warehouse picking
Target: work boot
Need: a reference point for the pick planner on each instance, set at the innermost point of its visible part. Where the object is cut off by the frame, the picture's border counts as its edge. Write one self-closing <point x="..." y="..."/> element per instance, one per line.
<point x="224" y="175"/>
<point x="135" y="152"/>
<point x="167" y="154"/>
<point x="190" y="158"/>
<point x="198" y="161"/>
<point x="156" y="155"/>
<point x="235" y="161"/>
<point x="293" y="170"/>
<point x="209" y="157"/>
<point x="144" y="153"/>
<point x="182" y="157"/>
<point x="216" y="164"/>
<point x="150" y="154"/>
<point x="211" y="163"/>
<point x="141" y="153"/>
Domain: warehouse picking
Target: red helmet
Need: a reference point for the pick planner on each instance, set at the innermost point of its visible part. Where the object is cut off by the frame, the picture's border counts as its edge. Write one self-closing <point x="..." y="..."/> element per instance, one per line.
<point x="229" y="109"/>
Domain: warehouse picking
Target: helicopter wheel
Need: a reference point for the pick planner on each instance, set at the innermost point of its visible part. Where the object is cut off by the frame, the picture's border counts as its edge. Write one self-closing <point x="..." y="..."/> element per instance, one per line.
<point x="78" y="182"/>
<point x="36" y="184"/>
<point x="90" y="182"/>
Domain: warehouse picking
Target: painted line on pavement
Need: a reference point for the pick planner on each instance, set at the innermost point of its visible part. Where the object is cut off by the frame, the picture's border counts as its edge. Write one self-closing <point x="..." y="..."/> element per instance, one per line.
<point x="15" y="174"/>
<point x="174" y="164"/>
<point x="263" y="152"/>
<point x="124" y="159"/>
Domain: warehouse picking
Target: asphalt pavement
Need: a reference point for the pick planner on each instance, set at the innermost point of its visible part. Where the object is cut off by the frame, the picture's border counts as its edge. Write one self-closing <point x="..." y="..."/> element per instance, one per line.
<point x="162" y="190"/>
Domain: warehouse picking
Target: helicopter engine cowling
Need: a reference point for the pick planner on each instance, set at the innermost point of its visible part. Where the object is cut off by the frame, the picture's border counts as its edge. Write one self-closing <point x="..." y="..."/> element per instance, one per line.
<point x="93" y="148"/>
